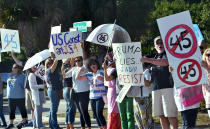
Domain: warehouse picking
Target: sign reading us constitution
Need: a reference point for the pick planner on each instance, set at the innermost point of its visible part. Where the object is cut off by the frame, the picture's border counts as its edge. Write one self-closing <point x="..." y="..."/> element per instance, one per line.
<point x="129" y="66"/>
<point x="67" y="44"/>
<point x="182" y="50"/>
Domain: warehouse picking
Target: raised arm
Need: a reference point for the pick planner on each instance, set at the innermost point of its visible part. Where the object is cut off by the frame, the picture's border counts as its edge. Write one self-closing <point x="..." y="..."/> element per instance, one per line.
<point x="17" y="61"/>
<point x="159" y="62"/>
<point x="106" y="76"/>
<point x="54" y="65"/>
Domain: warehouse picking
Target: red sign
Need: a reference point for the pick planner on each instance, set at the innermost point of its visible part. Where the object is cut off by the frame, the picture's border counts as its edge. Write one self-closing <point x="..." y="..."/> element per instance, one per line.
<point x="190" y="71"/>
<point x="180" y="39"/>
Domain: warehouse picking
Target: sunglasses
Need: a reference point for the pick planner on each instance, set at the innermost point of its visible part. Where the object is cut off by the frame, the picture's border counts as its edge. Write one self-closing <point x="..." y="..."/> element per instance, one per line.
<point x="207" y="55"/>
<point x="201" y="47"/>
<point x="159" y="43"/>
<point x="14" y="67"/>
<point x="77" y="61"/>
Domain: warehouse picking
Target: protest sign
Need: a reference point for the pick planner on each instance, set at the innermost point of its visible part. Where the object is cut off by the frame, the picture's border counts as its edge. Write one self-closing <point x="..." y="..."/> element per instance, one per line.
<point x="182" y="50"/>
<point x="129" y="66"/>
<point x="54" y="30"/>
<point x="10" y="40"/>
<point x="123" y="93"/>
<point x="198" y="34"/>
<point x="40" y="72"/>
<point x="67" y="44"/>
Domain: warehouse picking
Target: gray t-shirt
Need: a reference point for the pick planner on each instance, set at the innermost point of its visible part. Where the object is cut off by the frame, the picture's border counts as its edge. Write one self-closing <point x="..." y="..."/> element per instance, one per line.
<point x="78" y="85"/>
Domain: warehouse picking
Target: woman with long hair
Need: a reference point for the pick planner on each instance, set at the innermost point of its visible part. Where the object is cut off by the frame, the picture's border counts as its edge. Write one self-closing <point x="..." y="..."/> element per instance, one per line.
<point x="53" y="83"/>
<point x="206" y="87"/>
<point x="37" y="89"/>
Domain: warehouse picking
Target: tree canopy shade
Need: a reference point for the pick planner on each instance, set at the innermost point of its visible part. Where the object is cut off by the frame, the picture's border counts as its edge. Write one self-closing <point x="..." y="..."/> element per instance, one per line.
<point x="34" y="18"/>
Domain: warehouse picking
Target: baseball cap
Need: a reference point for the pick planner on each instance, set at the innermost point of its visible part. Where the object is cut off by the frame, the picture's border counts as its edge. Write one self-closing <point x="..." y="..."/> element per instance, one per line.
<point x="157" y="38"/>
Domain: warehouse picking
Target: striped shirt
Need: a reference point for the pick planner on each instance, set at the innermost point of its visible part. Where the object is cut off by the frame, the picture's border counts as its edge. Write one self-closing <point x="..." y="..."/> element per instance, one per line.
<point x="97" y="88"/>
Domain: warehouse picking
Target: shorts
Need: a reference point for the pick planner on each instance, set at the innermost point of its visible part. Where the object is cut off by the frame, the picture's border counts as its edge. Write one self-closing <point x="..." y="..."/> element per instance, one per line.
<point x="163" y="103"/>
<point x="29" y="101"/>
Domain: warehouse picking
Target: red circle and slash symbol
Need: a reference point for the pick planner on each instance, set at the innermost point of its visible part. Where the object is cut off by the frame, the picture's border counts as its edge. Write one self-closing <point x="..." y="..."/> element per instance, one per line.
<point x="184" y="78"/>
<point x="172" y="50"/>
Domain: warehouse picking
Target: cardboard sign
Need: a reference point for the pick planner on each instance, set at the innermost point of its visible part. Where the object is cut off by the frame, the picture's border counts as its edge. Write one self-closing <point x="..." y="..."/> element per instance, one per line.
<point x="10" y="40"/>
<point x="67" y="44"/>
<point x="40" y="72"/>
<point x="129" y="66"/>
<point x="54" y="30"/>
<point x="182" y="50"/>
<point x="198" y="34"/>
<point x="123" y="93"/>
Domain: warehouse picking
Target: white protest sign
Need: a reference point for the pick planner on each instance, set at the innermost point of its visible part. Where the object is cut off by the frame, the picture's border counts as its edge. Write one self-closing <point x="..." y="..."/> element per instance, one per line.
<point x="129" y="66"/>
<point x="123" y="93"/>
<point x="182" y="50"/>
<point x="67" y="44"/>
<point x="10" y="40"/>
<point x="40" y="72"/>
<point x="54" y="30"/>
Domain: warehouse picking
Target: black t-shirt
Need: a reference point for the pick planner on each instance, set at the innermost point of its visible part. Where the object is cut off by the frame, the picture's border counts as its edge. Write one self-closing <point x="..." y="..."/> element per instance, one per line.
<point x="160" y="75"/>
<point x="54" y="79"/>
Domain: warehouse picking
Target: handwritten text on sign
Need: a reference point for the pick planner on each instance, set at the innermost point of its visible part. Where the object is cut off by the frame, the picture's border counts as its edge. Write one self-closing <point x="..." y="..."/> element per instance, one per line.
<point x="67" y="44"/>
<point x="129" y="66"/>
<point x="182" y="50"/>
<point x="10" y="40"/>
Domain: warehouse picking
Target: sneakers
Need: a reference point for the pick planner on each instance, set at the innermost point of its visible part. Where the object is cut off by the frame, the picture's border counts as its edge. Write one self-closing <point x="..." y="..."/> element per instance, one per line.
<point x="28" y="124"/>
<point x="10" y="126"/>
<point x="21" y="124"/>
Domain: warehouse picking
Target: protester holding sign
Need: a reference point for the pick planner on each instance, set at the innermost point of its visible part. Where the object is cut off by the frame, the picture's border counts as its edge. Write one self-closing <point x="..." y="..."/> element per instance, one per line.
<point x="37" y="88"/>
<point x="67" y="94"/>
<point x="16" y="96"/>
<point x="110" y="75"/>
<point x="54" y="86"/>
<point x="95" y="76"/>
<point x="163" y="104"/>
<point x="206" y="87"/>
<point x="29" y="102"/>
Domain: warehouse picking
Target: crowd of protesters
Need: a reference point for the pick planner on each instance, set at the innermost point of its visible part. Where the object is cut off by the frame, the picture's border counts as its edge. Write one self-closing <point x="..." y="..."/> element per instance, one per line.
<point x="84" y="80"/>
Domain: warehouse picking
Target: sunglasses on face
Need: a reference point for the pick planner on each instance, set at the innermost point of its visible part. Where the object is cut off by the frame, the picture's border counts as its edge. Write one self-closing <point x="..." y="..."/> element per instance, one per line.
<point x="159" y="43"/>
<point x="208" y="55"/>
<point x="77" y="61"/>
<point x="201" y="47"/>
<point x="14" y="67"/>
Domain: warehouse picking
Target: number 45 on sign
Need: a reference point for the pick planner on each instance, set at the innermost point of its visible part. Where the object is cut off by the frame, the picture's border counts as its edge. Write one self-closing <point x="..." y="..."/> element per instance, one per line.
<point x="10" y="40"/>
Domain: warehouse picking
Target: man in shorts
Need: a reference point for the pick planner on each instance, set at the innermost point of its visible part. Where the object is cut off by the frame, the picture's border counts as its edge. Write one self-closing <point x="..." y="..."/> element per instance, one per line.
<point x="163" y="103"/>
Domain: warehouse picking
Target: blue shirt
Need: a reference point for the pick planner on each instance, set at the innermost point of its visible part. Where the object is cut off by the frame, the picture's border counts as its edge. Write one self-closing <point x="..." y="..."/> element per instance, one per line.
<point x="97" y="88"/>
<point x="15" y="86"/>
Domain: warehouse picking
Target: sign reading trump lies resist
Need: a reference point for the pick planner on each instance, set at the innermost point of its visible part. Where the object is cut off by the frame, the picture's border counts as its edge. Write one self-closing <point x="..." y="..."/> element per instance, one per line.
<point x="129" y="66"/>
<point x="67" y="44"/>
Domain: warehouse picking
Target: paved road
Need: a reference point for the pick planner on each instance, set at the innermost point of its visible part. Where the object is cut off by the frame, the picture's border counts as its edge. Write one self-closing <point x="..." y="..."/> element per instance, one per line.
<point x="45" y="115"/>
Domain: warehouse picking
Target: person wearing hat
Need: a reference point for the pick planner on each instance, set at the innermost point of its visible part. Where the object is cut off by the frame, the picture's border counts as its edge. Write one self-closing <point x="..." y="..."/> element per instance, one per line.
<point x="163" y="103"/>
<point x="110" y="75"/>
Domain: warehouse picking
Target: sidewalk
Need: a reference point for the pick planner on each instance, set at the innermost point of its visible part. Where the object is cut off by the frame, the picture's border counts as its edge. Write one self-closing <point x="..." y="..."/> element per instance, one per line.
<point x="45" y="118"/>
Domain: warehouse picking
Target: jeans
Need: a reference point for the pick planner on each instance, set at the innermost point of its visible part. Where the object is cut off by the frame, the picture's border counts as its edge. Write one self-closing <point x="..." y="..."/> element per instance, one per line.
<point x="82" y="100"/>
<point x="1" y="110"/>
<point x="189" y="118"/>
<point x="127" y="113"/>
<point x="70" y="107"/>
<point x="54" y="103"/>
<point x="97" y="107"/>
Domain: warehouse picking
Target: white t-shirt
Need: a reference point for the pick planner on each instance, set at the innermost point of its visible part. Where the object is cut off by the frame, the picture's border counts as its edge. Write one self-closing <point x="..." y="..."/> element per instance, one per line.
<point x="78" y="85"/>
<point x="179" y="104"/>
